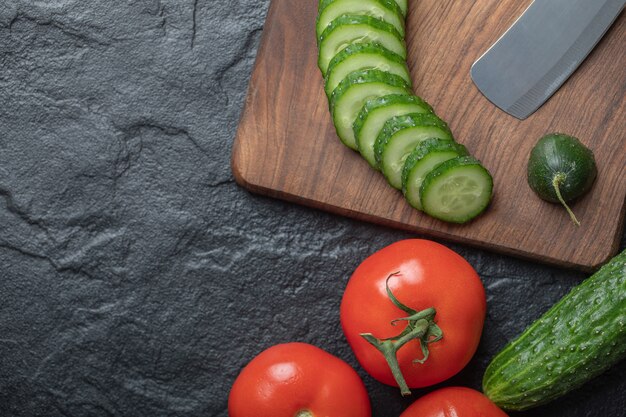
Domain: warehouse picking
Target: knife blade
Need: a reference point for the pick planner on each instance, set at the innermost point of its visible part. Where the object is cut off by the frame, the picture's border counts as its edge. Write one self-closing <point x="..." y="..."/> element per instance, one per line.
<point x="537" y="54"/>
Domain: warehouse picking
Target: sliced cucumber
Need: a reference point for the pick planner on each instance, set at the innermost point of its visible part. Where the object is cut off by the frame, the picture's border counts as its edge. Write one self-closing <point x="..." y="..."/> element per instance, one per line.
<point x="404" y="6"/>
<point x="350" y="29"/>
<point x="457" y="190"/>
<point x="424" y="158"/>
<point x="354" y="91"/>
<point x="375" y="113"/>
<point x="361" y="56"/>
<point x="399" y="136"/>
<point x="386" y="10"/>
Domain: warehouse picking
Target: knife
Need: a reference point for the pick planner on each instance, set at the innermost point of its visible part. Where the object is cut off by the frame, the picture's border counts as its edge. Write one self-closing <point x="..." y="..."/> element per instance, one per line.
<point x="540" y="51"/>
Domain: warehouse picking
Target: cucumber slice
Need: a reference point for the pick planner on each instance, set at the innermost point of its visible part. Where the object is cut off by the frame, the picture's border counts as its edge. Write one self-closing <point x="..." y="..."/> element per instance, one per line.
<point x="375" y="113"/>
<point x="354" y="91"/>
<point x="361" y="56"/>
<point x="349" y="29"/>
<point x="399" y="136"/>
<point x="386" y="10"/>
<point x="404" y="6"/>
<point x="457" y="190"/>
<point x="424" y="158"/>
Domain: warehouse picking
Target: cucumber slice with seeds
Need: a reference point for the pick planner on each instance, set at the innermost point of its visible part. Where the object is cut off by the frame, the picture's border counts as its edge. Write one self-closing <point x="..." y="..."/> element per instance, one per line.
<point x="385" y="10"/>
<point x="350" y="29"/>
<point x="375" y="113"/>
<point x="362" y="56"/>
<point x="354" y="91"/>
<point x="424" y="158"/>
<point x="457" y="190"/>
<point x="399" y="136"/>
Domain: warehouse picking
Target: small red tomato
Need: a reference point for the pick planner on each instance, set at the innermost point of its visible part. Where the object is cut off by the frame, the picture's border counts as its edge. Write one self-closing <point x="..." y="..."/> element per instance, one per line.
<point x="298" y="380"/>
<point x="453" y="402"/>
<point x="413" y="313"/>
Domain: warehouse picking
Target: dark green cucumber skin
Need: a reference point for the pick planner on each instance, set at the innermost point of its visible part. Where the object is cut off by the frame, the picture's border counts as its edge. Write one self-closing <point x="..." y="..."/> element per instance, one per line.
<point x="577" y="339"/>
<point x="398" y="123"/>
<point x="559" y="153"/>
<point x="423" y="149"/>
<point x="384" y="101"/>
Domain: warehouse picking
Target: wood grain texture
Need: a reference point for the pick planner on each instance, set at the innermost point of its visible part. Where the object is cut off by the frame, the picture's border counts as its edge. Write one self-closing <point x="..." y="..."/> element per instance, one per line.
<point x="287" y="148"/>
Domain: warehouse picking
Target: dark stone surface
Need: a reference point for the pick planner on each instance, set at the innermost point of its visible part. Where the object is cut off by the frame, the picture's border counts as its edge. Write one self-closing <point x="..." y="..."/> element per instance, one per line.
<point x="136" y="277"/>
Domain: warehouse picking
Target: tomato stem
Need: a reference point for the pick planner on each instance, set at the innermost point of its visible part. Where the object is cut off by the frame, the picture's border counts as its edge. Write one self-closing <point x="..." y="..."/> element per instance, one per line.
<point x="420" y="326"/>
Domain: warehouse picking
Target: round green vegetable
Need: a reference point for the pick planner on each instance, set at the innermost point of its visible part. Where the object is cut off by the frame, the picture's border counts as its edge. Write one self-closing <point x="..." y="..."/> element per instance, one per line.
<point x="561" y="169"/>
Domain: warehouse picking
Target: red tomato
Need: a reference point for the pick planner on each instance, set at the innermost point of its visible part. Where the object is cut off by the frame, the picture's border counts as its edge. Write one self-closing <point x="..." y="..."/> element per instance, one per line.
<point x="298" y="380"/>
<point x="427" y="275"/>
<point x="453" y="402"/>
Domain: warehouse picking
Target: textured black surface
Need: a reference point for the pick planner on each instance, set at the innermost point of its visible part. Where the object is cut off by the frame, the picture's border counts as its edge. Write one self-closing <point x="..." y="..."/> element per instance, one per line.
<point x="136" y="279"/>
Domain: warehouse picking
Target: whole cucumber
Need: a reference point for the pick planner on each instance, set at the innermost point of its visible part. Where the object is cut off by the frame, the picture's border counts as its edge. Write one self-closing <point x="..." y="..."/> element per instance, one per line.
<point x="577" y="339"/>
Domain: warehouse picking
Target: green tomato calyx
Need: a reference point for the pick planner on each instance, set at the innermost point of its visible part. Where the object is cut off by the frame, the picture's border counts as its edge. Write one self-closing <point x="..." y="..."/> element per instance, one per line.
<point x="420" y="326"/>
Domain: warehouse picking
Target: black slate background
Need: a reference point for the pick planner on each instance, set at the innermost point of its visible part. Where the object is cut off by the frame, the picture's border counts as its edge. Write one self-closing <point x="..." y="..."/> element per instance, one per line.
<point x="136" y="277"/>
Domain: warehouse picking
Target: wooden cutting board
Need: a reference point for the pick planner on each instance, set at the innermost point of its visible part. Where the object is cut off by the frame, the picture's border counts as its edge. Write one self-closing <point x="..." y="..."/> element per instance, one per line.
<point x="287" y="148"/>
